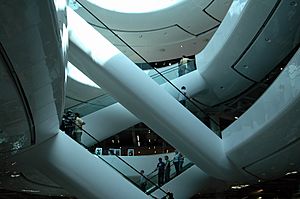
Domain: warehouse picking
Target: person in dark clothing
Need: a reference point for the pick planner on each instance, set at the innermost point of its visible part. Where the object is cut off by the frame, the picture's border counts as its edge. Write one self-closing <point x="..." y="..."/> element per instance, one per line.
<point x="68" y="123"/>
<point x="161" y="171"/>
<point x="170" y="195"/>
<point x="181" y="161"/>
<point x="182" y="96"/>
<point x="167" y="169"/>
<point x="176" y="162"/>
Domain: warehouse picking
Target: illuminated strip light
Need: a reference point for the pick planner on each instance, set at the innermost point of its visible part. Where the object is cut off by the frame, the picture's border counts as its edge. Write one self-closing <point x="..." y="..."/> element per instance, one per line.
<point x="239" y="186"/>
<point x="14" y="175"/>
<point x="30" y="191"/>
<point x="292" y="172"/>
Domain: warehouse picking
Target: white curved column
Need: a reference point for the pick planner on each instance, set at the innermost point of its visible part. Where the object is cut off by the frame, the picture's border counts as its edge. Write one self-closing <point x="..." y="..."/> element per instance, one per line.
<point x="113" y="119"/>
<point x="148" y="101"/>
<point x="81" y="173"/>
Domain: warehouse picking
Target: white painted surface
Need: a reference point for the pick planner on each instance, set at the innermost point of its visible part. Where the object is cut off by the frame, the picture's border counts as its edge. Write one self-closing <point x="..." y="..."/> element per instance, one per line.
<point x="77" y="170"/>
<point x="179" y="33"/>
<point x="107" y="122"/>
<point x="154" y="106"/>
<point x="190" y="182"/>
<point x="226" y="46"/>
<point x="271" y="124"/>
<point x="115" y="118"/>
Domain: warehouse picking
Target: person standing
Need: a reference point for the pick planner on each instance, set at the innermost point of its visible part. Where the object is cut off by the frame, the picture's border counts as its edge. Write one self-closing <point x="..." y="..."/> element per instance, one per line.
<point x="182" y="96"/>
<point x="68" y="123"/>
<point x="181" y="161"/>
<point x="176" y="162"/>
<point x="78" y="127"/>
<point x="170" y="195"/>
<point x="161" y="171"/>
<point x="182" y="66"/>
<point x="143" y="181"/>
<point x="167" y="169"/>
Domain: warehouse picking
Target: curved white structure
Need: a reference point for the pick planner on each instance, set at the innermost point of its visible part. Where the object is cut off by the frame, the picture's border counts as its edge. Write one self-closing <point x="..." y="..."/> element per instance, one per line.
<point x="241" y="53"/>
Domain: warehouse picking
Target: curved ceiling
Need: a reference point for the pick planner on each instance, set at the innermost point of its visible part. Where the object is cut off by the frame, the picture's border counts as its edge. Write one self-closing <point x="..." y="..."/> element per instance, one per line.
<point x="129" y="6"/>
<point x="181" y="29"/>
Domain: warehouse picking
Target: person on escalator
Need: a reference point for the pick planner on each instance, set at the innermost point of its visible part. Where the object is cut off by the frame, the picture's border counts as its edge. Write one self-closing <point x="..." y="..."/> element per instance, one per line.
<point x="182" y="96"/>
<point x="167" y="169"/>
<point x="170" y="195"/>
<point x="181" y="161"/>
<point x="176" y="162"/>
<point x="78" y="127"/>
<point x="143" y="181"/>
<point x="161" y="171"/>
<point x="68" y="123"/>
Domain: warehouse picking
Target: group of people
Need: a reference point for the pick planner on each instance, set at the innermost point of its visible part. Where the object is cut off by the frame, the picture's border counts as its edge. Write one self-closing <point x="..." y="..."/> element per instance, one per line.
<point x="72" y="125"/>
<point x="164" y="168"/>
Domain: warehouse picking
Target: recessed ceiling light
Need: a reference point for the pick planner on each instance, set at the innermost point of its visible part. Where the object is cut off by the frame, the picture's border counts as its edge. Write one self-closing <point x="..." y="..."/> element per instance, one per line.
<point x="268" y="40"/>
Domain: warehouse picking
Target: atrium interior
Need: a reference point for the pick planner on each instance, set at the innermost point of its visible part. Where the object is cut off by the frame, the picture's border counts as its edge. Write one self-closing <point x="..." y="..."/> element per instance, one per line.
<point x="210" y="86"/>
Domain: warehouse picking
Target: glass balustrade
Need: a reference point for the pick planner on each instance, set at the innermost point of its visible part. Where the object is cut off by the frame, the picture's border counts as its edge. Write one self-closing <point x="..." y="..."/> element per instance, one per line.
<point x="147" y="182"/>
<point x="153" y="176"/>
<point x="104" y="100"/>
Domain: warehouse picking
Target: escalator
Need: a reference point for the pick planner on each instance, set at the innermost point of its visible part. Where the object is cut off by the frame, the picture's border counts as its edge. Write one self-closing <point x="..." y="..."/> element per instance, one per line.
<point x="85" y="107"/>
<point x="133" y="175"/>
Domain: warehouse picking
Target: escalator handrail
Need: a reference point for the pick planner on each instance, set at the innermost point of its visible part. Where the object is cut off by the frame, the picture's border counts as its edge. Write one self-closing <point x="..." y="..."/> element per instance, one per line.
<point x="187" y="166"/>
<point x="148" y="180"/>
<point x="183" y="169"/>
<point x="106" y="94"/>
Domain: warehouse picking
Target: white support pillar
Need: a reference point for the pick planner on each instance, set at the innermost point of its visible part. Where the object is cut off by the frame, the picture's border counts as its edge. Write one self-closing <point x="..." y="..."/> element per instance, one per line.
<point x="81" y="173"/>
<point x="127" y="83"/>
<point x="113" y="119"/>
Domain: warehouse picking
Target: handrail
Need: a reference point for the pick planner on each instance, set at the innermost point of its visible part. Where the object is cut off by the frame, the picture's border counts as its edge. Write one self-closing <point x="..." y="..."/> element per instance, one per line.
<point x="156" y="170"/>
<point x="147" y="179"/>
<point x="184" y="168"/>
<point x="158" y="187"/>
<point x="106" y="94"/>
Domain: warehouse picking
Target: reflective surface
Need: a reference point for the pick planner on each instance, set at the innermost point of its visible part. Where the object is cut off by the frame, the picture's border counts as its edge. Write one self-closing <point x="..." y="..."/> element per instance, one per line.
<point x="14" y="127"/>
